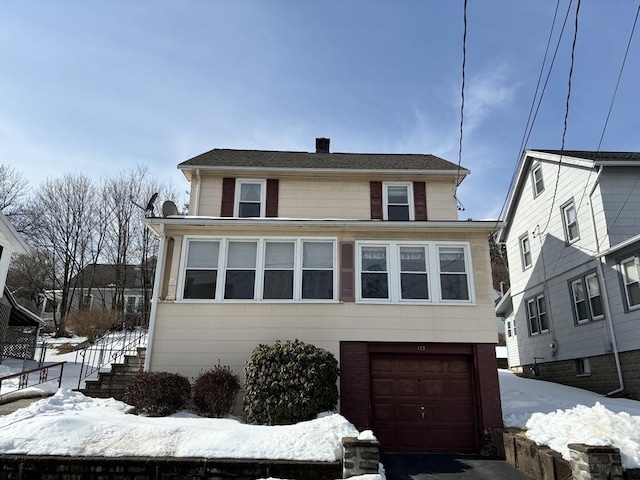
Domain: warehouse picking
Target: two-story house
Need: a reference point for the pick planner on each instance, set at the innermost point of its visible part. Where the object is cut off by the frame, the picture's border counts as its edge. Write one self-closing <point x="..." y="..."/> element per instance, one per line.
<point x="572" y="233"/>
<point x="360" y="254"/>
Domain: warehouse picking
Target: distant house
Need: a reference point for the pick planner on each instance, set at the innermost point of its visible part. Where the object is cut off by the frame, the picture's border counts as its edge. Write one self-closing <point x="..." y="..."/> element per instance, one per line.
<point x="572" y="233"/>
<point x="18" y="326"/>
<point x="360" y="254"/>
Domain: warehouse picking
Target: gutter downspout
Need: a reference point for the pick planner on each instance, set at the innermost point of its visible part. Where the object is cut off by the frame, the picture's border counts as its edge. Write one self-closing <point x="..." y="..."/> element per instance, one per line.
<point x="155" y="298"/>
<point x="605" y="296"/>
<point x="198" y="184"/>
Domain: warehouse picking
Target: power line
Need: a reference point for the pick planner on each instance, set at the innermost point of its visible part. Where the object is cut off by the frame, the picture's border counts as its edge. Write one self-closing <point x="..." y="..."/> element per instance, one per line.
<point x="464" y="61"/>
<point x="619" y="77"/>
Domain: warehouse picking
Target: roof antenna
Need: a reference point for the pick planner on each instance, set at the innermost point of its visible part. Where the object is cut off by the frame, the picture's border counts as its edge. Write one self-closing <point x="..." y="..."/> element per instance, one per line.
<point x="148" y="211"/>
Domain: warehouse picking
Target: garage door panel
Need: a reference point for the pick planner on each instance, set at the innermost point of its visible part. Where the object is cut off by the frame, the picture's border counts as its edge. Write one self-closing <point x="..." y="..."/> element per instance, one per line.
<point x="384" y="412"/>
<point x="383" y="388"/>
<point x="459" y="366"/>
<point x="408" y="387"/>
<point x="433" y="388"/>
<point x="432" y="366"/>
<point x="460" y="388"/>
<point x="381" y="365"/>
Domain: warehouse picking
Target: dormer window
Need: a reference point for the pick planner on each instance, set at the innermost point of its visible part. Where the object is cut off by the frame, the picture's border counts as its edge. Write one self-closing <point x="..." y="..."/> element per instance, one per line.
<point x="537" y="180"/>
<point x="250" y="199"/>
<point x="397" y="198"/>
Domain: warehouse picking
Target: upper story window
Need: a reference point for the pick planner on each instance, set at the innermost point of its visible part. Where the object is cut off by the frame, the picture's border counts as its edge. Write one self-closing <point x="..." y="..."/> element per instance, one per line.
<point x="250" y="198"/>
<point x="259" y="269"/>
<point x="398" y="201"/>
<point x="537" y="315"/>
<point x="402" y="272"/>
<point x="537" y="180"/>
<point x="525" y="251"/>
<point x="570" y="222"/>
<point x="587" y="300"/>
<point x="630" y="269"/>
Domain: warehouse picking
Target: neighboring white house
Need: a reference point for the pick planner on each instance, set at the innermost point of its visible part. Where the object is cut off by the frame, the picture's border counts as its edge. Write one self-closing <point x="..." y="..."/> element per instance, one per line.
<point x="360" y="254"/>
<point x="573" y="243"/>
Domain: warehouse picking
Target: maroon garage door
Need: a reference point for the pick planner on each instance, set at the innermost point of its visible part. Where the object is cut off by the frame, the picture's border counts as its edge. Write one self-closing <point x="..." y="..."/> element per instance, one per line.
<point x="423" y="403"/>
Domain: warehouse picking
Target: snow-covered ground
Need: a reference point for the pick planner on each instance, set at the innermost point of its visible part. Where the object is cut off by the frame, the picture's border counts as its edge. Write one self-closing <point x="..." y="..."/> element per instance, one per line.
<point x="69" y="423"/>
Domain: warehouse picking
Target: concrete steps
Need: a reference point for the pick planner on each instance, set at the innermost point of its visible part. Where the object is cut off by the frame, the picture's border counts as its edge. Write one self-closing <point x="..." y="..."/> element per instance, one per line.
<point x="112" y="384"/>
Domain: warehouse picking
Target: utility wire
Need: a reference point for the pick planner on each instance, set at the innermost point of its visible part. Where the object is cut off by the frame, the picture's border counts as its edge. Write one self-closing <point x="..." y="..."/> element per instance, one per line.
<point x="633" y="29"/>
<point x="566" y="116"/>
<point x="464" y="61"/>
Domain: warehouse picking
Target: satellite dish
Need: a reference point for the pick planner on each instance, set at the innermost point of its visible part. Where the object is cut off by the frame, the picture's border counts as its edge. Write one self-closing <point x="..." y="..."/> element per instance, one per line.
<point x="169" y="208"/>
<point x="149" y="209"/>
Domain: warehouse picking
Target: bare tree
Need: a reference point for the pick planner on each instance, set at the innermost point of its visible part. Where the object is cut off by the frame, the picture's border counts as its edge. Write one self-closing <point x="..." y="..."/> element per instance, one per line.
<point x="14" y="190"/>
<point x="29" y="277"/>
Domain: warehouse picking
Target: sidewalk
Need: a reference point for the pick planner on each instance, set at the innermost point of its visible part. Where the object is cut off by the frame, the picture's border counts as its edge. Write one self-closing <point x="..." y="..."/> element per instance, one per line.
<point x="12" y="406"/>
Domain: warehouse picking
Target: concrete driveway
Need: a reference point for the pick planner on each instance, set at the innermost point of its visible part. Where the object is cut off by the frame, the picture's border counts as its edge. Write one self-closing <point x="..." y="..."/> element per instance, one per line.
<point x="422" y="466"/>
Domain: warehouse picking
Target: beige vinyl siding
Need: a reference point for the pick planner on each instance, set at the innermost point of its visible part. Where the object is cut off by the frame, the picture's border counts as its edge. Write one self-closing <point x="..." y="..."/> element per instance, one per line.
<point x="210" y="195"/>
<point x="441" y="204"/>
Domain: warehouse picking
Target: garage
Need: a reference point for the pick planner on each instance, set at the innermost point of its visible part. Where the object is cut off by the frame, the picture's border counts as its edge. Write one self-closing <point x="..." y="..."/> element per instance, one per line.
<point x="423" y="403"/>
<point x="422" y="397"/>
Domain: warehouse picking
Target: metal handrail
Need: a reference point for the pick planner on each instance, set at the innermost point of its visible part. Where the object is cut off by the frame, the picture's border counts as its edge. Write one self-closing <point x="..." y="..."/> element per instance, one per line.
<point x="24" y="377"/>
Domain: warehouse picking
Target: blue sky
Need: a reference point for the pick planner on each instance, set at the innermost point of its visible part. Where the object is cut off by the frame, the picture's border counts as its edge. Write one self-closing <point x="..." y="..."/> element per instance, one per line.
<point x="98" y="86"/>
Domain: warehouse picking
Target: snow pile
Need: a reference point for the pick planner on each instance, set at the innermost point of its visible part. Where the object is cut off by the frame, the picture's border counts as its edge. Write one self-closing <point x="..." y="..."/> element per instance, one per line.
<point x="71" y="424"/>
<point x="593" y="426"/>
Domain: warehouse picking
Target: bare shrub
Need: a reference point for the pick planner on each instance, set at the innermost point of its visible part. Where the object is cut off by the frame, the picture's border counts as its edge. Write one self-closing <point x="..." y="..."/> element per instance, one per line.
<point x="91" y="323"/>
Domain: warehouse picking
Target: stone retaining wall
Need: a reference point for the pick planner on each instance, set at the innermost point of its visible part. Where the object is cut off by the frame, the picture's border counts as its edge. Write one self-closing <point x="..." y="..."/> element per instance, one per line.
<point x="28" y="467"/>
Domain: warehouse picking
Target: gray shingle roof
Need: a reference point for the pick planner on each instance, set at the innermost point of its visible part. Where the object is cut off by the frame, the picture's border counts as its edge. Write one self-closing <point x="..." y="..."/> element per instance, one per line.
<point x="303" y="160"/>
<point x="594" y="156"/>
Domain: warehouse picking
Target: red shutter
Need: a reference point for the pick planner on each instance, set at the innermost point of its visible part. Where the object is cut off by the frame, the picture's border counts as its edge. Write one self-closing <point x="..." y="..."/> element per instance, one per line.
<point x="347" y="289"/>
<point x="376" y="200"/>
<point x="228" y="192"/>
<point x="272" y="197"/>
<point x="420" y="200"/>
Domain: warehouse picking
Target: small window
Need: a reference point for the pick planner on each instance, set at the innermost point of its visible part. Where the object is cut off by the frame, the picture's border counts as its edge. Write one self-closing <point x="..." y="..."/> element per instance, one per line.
<point x="374" y="268"/>
<point x="587" y="300"/>
<point x="538" y="182"/>
<point x="570" y="221"/>
<point x="250" y="198"/>
<point x="413" y="273"/>
<point x="240" y="276"/>
<point x="630" y="269"/>
<point x="537" y="315"/>
<point x="583" y="367"/>
<point x="202" y="269"/>
<point x="454" y="281"/>
<point x="509" y="333"/>
<point x="398" y="202"/>
<point x="525" y="251"/>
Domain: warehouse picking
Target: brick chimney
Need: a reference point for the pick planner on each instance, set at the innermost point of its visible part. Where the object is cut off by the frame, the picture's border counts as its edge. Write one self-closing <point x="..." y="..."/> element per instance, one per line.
<point x="322" y="145"/>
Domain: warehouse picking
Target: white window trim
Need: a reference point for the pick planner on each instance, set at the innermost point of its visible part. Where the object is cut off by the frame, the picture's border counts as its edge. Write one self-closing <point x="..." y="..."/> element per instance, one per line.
<point x="259" y="279"/>
<point x="565" y="222"/>
<point x="537" y="168"/>
<point x="535" y="301"/>
<point x="385" y="198"/>
<point x="583" y="280"/>
<point x="433" y="272"/>
<point x="635" y="259"/>
<point x="523" y="252"/>
<point x="263" y="195"/>
<point x="580" y="281"/>
<point x="589" y="296"/>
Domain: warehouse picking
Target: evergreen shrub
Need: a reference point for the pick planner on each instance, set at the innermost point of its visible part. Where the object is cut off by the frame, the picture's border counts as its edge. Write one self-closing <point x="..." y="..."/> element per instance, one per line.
<point x="289" y="382"/>
<point x="215" y="391"/>
<point x="157" y="394"/>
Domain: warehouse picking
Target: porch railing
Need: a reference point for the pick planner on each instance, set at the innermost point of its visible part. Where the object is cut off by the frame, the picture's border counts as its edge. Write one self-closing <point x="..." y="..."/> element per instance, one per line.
<point x="33" y="377"/>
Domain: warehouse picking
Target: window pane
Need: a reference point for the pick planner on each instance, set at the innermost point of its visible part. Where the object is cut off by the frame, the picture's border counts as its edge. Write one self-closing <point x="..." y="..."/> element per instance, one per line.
<point x="203" y="254"/>
<point x="397" y="194"/>
<point x="414" y="286"/>
<point x="398" y="212"/>
<point x="375" y="285"/>
<point x="250" y="192"/>
<point x="241" y="255"/>
<point x="533" y="317"/>
<point x="279" y="255"/>
<point x="412" y="259"/>
<point x="200" y="284"/>
<point x="278" y="284"/>
<point x="452" y="260"/>
<point x="595" y="300"/>
<point x="239" y="284"/>
<point x="317" y="284"/>
<point x="246" y="210"/>
<point x="634" y="294"/>
<point x="374" y="259"/>
<point x="596" y="306"/>
<point x="630" y="271"/>
<point x="581" y="311"/>
<point x="454" y="287"/>
<point x="578" y="290"/>
<point x="542" y="314"/>
<point x="570" y="213"/>
<point x="317" y="255"/>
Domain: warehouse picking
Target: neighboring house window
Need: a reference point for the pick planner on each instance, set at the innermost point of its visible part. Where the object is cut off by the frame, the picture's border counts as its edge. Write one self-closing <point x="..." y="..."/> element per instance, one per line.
<point x="587" y="300"/>
<point x="201" y="275"/>
<point x="583" y="366"/>
<point x="537" y="315"/>
<point x="454" y="281"/>
<point x="133" y="304"/>
<point x="87" y="301"/>
<point x="538" y="182"/>
<point x="570" y="221"/>
<point x="250" y="198"/>
<point x="630" y="269"/>
<point x="509" y="333"/>
<point x="400" y="271"/>
<point x="260" y="269"/>
<point x="397" y="201"/>
<point x="525" y="251"/>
